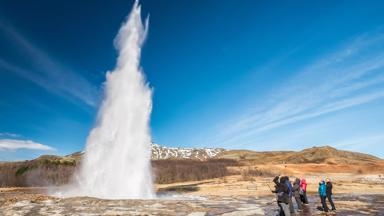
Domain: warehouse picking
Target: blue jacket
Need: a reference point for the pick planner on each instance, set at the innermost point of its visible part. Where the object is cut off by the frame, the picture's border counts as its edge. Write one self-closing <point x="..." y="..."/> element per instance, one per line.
<point x="289" y="187"/>
<point x="322" y="189"/>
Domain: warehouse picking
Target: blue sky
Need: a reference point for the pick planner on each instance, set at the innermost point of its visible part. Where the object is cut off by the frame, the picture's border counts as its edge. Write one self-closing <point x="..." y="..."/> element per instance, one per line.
<point x="261" y="75"/>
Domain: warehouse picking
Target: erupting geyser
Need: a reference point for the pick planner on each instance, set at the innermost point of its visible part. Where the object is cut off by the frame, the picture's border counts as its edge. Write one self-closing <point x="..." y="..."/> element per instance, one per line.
<point x="116" y="164"/>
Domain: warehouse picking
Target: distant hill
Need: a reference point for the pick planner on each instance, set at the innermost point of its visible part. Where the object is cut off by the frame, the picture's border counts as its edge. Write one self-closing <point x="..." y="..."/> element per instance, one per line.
<point x="162" y="152"/>
<point x="321" y="155"/>
<point x="324" y="154"/>
<point x="178" y="164"/>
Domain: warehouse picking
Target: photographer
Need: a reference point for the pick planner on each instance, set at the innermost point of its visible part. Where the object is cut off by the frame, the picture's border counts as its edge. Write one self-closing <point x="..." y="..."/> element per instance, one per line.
<point x="282" y="191"/>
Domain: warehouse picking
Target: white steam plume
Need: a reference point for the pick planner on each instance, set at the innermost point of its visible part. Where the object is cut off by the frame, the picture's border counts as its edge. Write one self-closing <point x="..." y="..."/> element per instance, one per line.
<point x="116" y="164"/>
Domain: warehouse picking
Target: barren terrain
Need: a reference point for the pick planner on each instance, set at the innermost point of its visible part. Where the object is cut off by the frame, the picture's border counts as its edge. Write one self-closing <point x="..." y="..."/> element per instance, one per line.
<point x="237" y="184"/>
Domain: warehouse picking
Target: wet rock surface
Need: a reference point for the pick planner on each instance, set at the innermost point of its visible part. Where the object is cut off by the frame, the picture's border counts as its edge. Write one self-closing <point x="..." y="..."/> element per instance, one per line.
<point x="34" y="202"/>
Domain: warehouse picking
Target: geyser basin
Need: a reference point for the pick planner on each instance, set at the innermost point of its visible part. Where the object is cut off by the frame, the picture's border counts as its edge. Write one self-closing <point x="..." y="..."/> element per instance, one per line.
<point x="116" y="164"/>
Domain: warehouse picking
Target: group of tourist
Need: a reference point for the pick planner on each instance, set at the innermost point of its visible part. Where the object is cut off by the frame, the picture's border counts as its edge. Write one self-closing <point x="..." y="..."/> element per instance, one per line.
<point x="325" y="192"/>
<point x="286" y="191"/>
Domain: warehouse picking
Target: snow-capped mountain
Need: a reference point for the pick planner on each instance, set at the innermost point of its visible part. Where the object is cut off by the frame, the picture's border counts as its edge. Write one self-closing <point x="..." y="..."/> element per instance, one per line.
<point x="161" y="152"/>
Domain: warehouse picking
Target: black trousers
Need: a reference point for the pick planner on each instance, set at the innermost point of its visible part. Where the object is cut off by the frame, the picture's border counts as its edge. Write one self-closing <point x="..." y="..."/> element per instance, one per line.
<point x="329" y="196"/>
<point x="304" y="198"/>
<point x="324" y="204"/>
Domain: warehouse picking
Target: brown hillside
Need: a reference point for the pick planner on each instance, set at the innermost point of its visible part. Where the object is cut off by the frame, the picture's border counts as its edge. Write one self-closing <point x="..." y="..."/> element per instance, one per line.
<point x="321" y="155"/>
<point x="56" y="170"/>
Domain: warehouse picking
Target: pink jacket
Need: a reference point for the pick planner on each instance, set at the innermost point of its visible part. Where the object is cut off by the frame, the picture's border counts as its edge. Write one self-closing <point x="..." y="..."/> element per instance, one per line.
<point x="303" y="185"/>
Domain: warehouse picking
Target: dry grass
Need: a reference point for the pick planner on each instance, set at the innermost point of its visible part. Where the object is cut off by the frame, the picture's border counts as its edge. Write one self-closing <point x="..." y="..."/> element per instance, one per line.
<point x="51" y="171"/>
<point x="249" y="173"/>
<point x="42" y="172"/>
<point x="169" y="171"/>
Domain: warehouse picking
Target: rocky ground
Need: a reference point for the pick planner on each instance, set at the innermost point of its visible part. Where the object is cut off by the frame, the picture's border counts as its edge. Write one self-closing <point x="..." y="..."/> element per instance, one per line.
<point x="33" y="201"/>
<point x="354" y="194"/>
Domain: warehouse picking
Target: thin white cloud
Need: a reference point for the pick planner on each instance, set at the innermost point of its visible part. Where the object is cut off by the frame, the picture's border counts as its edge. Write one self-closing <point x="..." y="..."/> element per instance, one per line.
<point x="7" y="134"/>
<point x="48" y="72"/>
<point x="346" y="78"/>
<point x="339" y="105"/>
<point x="13" y="144"/>
<point x="371" y="144"/>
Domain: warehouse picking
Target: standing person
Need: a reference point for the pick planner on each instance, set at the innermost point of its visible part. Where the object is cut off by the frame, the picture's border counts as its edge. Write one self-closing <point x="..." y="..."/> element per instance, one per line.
<point x="282" y="192"/>
<point x="276" y="181"/>
<point x="303" y="191"/>
<point x="329" y="193"/>
<point x="296" y="193"/>
<point x="291" y="208"/>
<point x="323" y="195"/>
